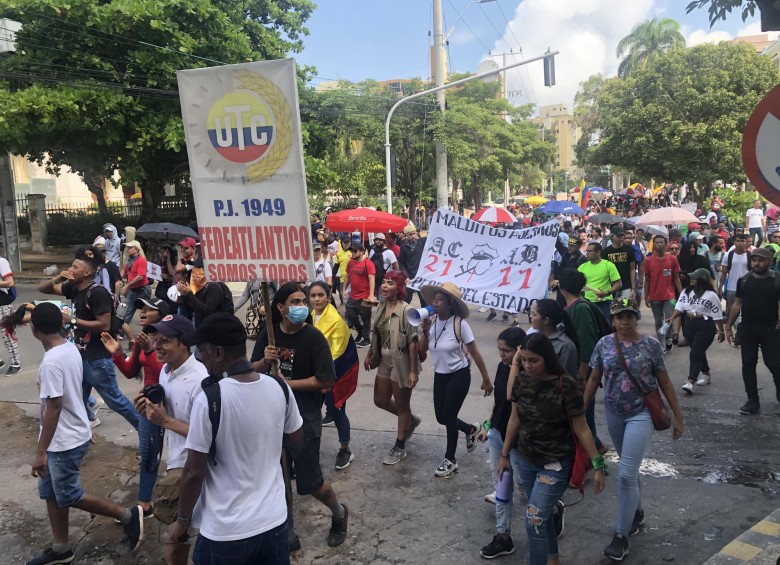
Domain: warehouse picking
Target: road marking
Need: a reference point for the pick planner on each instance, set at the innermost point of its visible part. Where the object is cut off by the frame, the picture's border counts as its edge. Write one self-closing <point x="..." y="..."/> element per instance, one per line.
<point x="741" y="550"/>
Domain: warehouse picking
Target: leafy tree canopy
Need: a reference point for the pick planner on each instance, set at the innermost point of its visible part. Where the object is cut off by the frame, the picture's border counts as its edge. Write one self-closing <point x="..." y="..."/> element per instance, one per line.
<point x="720" y="9"/>
<point x="681" y="115"/>
<point x="92" y="85"/>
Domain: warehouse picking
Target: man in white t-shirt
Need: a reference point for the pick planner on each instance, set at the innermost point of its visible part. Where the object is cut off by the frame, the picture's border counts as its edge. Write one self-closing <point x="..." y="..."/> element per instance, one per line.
<point x="734" y="265"/>
<point x="7" y="296"/>
<point x="322" y="268"/>
<point x="241" y="498"/>
<point x="64" y="440"/>
<point x="180" y="377"/>
<point x="756" y="223"/>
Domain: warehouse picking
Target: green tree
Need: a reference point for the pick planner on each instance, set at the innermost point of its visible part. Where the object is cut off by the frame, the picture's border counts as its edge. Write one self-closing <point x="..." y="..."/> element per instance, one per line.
<point x="646" y="39"/>
<point x="720" y="9"/>
<point x="92" y="85"/>
<point x="680" y="117"/>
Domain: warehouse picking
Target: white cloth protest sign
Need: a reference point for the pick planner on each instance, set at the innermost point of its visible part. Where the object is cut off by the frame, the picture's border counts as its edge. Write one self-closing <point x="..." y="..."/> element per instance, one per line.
<point x="153" y="271"/>
<point x="493" y="267"/>
<point x="243" y="130"/>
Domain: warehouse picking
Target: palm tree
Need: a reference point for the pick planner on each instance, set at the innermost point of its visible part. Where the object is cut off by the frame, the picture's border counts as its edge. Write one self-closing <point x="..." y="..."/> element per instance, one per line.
<point x="647" y="38"/>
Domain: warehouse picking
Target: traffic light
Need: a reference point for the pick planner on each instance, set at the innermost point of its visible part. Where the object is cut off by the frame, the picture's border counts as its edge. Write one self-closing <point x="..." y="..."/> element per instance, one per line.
<point x="770" y="15"/>
<point x="549" y="70"/>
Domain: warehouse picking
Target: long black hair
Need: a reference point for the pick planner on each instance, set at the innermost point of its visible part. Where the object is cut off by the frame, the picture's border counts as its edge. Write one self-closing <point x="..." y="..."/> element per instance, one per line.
<point x="541" y="345"/>
<point x="281" y="297"/>
<point x="514" y="337"/>
<point x="550" y="309"/>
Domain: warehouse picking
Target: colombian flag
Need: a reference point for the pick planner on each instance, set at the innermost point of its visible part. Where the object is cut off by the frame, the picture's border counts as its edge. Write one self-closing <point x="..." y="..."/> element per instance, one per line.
<point x="344" y="351"/>
<point x="584" y="197"/>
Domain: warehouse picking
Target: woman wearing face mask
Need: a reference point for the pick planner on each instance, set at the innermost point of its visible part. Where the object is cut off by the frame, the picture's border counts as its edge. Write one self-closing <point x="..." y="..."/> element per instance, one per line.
<point x="328" y="320"/>
<point x="305" y="360"/>
<point x="393" y="353"/>
<point x="200" y="297"/>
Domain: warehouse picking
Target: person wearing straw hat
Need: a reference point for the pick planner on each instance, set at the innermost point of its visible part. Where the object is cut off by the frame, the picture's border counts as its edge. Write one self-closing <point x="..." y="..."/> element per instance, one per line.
<point x="450" y="341"/>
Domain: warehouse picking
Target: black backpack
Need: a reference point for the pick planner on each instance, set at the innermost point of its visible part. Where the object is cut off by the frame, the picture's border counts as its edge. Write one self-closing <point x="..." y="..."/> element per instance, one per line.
<point x="379" y="264"/>
<point x="210" y="386"/>
<point x="226" y="302"/>
<point x="116" y="321"/>
<point x="603" y="326"/>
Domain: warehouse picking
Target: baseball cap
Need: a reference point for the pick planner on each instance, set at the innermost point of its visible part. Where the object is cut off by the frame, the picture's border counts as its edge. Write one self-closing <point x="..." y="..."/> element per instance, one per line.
<point x="763" y="252"/>
<point x="624" y="305"/>
<point x="317" y="247"/>
<point x="380" y="236"/>
<point x="696" y="235"/>
<point x="575" y="241"/>
<point x="153" y="302"/>
<point x="410" y="229"/>
<point x="618" y="231"/>
<point x="133" y="243"/>
<point x="693" y="226"/>
<point x="701" y="274"/>
<point x="218" y="329"/>
<point x="187" y="242"/>
<point x="171" y="325"/>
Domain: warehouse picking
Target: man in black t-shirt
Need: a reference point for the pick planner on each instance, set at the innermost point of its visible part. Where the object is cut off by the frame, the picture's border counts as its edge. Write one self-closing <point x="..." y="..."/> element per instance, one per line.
<point x="758" y="298"/>
<point x="92" y="308"/>
<point x="623" y="257"/>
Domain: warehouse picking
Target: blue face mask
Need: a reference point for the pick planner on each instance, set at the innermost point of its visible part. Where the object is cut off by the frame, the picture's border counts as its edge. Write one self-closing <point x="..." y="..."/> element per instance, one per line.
<point x="298" y="314"/>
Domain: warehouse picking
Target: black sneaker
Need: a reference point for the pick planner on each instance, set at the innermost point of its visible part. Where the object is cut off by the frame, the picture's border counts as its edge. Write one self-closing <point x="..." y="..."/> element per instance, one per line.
<point x="639" y="521"/>
<point x="752" y="406"/>
<point x="327" y="420"/>
<point x="49" y="557"/>
<point x="13" y="369"/>
<point x="557" y="517"/>
<point x="135" y="529"/>
<point x="338" y="529"/>
<point x="344" y="458"/>
<point x="618" y="549"/>
<point x="498" y="547"/>
<point x="505" y="319"/>
<point x="363" y="343"/>
<point x="490" y="317"/>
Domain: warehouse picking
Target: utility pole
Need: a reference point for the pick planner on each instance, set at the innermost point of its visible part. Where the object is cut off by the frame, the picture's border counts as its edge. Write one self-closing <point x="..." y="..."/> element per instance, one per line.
<point x="439" y="78"/>
<point x="10" y="227"/>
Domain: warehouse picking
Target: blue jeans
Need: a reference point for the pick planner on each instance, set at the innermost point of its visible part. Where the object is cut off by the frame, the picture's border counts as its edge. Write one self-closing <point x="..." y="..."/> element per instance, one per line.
<point x="62" y="483"/>
<point x="631" y="436"/>
<point x="605" y="306"/>
<point x="99" y="373"/>
<point x="339" y="416"/>
<point x="268" y="548"/>
<point x="150" y="444"/>
<point x="756" y="236"/>
<point x="544" y="487"/>
<point x="590" y="418"/>
<point x="134" y="294"/>
<point x="503" y="509"/>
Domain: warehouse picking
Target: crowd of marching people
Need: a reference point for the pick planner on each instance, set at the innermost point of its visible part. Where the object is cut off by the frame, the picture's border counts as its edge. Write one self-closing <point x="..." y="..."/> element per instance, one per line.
<point x="223" y="493"/>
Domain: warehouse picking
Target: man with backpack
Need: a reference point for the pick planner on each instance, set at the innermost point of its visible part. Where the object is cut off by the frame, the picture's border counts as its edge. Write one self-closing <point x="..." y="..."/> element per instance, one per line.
<point x="7" y="297"/>
<point x="662" y="285"/>
<point x="757" y="300"/>
<point x="246" y="517"/>
<point x="204" y="298"/>
<point x="180" y="379"/>
<point x="93" y="312"/>
<point x="383" y="259"/>
<point x="591" y="326"/>
<point x="735" y="265"/>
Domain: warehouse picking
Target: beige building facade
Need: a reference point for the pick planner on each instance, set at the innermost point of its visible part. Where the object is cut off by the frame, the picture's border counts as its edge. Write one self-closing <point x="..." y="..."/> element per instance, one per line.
<point x="560" y="120"/>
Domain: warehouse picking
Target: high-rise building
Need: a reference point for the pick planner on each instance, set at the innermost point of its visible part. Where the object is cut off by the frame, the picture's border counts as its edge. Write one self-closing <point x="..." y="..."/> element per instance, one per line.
<point x="557" y="118"/>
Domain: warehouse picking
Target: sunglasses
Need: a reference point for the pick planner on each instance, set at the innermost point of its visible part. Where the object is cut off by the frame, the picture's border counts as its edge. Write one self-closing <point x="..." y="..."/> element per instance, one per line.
<point x="674" y="249"/>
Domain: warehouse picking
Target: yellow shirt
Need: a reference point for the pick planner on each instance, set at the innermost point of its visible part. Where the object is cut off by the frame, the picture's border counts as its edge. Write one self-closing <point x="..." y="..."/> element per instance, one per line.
<point x="343" y="258"/>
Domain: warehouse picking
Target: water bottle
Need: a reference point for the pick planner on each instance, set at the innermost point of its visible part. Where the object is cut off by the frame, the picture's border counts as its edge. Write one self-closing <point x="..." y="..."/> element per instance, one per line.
<point x="663" y="330"/>
<point x="504" y="487"/>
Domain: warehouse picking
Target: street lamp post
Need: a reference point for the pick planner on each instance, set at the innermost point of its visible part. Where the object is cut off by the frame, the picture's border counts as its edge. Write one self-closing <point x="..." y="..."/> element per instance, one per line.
<point x="388" y="172"/>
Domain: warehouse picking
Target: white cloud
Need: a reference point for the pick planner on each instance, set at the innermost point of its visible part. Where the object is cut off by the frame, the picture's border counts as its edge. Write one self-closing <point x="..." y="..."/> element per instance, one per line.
<point x="699" y="36"/>
<point x="754" y="28"/>
<point x="586" y="32"/>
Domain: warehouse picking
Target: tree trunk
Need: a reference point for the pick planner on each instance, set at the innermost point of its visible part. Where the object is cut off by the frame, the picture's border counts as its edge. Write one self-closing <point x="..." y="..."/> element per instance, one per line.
<point x="95" y="186"/>
<point x="150" y="194"/>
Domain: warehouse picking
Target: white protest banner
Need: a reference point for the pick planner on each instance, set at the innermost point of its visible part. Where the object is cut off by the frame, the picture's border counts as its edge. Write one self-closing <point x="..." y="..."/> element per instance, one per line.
<point x="153" y="271"/>
<point x="243" y="131"/>
<point x="494" y="267"/>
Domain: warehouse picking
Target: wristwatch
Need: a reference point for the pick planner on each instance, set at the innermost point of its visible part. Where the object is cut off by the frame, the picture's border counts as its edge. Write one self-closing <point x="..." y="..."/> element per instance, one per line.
<point x="73" y="321"/>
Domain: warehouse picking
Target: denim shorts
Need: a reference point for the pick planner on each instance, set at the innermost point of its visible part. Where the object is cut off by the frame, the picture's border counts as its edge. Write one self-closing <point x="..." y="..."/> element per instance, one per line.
<point x="62" y="483"/>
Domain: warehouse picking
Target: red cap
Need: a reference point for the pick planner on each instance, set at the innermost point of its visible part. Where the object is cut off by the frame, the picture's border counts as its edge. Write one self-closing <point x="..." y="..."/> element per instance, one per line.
<point x="187" y="242"/>
<point x="693" y="226"/>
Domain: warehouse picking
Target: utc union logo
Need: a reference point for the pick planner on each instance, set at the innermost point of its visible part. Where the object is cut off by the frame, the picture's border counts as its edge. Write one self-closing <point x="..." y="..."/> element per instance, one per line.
<point x="252" y="126"/>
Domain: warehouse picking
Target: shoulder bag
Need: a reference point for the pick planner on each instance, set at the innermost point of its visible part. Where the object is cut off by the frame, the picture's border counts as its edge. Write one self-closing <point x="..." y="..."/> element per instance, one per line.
<point x="581" y="464"/>
<point x="655" y="404"/>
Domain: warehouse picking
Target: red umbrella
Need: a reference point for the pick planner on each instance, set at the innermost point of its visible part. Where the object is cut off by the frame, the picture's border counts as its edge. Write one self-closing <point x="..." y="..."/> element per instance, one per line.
<point x="494" y="215"/>
<point x="364" y="220"/>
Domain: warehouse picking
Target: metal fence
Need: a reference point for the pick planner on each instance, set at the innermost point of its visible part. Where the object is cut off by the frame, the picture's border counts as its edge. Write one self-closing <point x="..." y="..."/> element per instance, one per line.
<point x="169" y="208"/>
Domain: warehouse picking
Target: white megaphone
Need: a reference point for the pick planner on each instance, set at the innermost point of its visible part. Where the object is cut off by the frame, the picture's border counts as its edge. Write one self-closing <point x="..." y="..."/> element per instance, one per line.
<point x="417" y="315"/>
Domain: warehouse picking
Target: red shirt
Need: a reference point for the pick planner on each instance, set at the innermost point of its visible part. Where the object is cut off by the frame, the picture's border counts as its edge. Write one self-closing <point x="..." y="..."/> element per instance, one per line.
<point x="662" y="274"/>
<point x="138" y="269"/>
<point x="358" y="272"/>
<point x="394" y="248"/>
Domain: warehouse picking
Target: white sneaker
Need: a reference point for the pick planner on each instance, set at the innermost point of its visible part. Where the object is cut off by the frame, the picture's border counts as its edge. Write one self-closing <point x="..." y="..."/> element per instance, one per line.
<point x="94" y="423"/>
<point x="98" y="403"/>
<point x="704" y="380"/>
<point x="688" y="387"/>
<point x="483" y="309"/>
<point x="491" y="498"/>
<point x="446" y="468"/>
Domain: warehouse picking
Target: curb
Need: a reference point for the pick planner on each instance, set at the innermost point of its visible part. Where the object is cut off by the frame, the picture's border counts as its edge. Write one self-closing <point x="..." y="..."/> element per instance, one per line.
<point x="760" y="545"/>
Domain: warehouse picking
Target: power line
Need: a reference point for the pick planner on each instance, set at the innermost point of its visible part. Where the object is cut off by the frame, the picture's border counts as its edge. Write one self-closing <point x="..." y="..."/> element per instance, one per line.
<point x="469" y="28"/>
<point x="508" y="25"/>
<point x="490" y="21"/>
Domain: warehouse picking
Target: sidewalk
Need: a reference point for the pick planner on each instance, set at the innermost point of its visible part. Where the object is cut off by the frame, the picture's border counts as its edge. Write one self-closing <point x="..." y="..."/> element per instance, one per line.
<point x="760" y="545"/>
<point x="34" y="263"/>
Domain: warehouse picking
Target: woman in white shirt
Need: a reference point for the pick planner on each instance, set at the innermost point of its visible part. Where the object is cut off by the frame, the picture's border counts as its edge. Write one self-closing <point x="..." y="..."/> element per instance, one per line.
<point x="444" y="337"/>
<point x="701" y="306"/>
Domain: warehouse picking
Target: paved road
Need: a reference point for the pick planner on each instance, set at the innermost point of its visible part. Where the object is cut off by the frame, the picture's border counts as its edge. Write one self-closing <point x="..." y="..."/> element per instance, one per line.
<point x="700" y="492"/>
